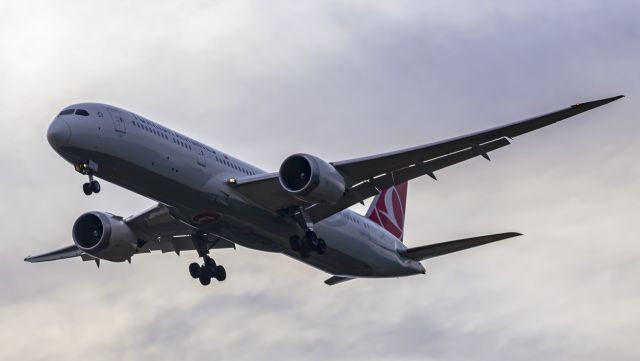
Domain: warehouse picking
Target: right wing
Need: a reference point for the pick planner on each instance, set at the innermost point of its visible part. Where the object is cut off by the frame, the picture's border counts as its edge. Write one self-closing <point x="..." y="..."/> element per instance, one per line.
<point x="368" y="175"/>
<point x="156" y="230"/>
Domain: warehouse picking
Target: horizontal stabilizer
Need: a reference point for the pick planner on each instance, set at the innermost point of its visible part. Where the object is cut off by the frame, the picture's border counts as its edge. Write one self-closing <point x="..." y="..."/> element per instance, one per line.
<point x="439" y="249"/>
<point x="337" y="279"/>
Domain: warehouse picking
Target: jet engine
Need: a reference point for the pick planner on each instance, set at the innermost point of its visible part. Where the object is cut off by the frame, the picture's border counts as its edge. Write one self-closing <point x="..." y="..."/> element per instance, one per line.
<point x="311" y="179"/>
<point x="104" y="236"/>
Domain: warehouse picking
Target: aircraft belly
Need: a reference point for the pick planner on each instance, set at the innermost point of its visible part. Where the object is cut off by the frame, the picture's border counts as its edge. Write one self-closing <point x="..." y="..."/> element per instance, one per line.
<point x="348" y="252"/>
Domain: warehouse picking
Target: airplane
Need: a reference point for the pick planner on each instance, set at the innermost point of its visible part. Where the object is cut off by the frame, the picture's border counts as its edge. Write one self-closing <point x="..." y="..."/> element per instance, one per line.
<point x="208" y="200"/>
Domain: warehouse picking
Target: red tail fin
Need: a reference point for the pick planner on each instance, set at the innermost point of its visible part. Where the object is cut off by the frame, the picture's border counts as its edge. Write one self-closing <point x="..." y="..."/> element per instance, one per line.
<point x="388" y="207"/>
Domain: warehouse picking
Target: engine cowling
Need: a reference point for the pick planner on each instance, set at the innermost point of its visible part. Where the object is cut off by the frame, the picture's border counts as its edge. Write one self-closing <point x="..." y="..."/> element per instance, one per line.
<point x="105" y="236"/>
<point x="311" y="179"/>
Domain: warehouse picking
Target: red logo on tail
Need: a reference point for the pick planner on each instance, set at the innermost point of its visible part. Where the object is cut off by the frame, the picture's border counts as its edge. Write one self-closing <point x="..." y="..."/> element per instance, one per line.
<point x="388" y="209"/>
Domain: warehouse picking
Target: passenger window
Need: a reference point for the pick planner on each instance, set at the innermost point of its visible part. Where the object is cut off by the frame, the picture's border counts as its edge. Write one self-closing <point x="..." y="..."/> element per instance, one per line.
<point x="82" y="112"/>
<point x="67" y="112"/>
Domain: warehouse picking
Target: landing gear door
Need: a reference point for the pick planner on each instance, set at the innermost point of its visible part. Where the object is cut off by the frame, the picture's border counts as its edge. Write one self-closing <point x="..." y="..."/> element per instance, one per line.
<point x="118" y="120"/>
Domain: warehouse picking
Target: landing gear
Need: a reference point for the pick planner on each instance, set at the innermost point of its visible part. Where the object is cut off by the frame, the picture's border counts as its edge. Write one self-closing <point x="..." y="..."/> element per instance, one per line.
<point x="89" y="168"/>
<point x="91" y="187"/>
<point x="209" y="269"/>
<point x="309" y="243"/>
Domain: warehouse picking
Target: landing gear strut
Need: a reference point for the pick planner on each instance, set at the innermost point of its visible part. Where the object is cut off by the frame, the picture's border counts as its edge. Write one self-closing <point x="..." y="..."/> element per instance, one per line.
<point x="310" y="241"/>
<point x="209" y="269"/>
<point x="89" y="168"/>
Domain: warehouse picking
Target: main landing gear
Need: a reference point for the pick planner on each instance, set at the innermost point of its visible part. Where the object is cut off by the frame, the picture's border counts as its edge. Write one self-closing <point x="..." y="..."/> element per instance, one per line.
<point x="209" y="269"/>
<point x="307" y="244"/>
<point x="310" y="241"/>
<point x="89" y="168"/>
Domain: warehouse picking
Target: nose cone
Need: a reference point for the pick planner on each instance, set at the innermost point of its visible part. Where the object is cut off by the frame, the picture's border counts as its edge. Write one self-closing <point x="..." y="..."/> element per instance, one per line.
<point x="58" y="133"/>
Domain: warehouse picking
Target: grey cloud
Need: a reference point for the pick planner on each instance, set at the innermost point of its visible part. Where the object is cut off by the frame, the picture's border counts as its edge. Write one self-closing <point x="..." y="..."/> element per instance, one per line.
<point x="337" y="79"/>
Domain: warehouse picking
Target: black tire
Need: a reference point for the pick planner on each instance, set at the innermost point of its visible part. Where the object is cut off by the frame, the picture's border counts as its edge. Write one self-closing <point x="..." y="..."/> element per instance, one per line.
<point x="194" y="270"/>
<point x="311" y="237"/>
<point x="95" y="186"/>
<point x="210" y="265"/>
<point x="295" y="243"/>
<point x="86" y="188"/>
<point x="322" y="245"/>
<point x="221" y="273"/>
<point x="204" y="277"/>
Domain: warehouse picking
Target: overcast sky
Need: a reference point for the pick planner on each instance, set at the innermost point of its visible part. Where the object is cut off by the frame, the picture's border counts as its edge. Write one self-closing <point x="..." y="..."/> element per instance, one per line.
<point x="264" y="79"/>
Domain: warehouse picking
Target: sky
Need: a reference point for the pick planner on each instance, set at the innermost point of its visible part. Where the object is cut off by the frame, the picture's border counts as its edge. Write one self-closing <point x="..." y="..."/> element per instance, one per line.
<point x="337" y="79"/>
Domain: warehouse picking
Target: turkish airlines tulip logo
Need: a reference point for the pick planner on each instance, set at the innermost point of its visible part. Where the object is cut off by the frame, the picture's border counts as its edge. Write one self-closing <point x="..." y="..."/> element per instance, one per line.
<point x="390" y="209"/>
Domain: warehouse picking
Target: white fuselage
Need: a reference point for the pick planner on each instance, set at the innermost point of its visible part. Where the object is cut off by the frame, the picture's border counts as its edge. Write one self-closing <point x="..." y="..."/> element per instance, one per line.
<point x="191" y="179"/>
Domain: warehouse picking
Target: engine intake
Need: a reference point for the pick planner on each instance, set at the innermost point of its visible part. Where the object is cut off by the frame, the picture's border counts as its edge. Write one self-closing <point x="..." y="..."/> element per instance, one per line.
<point x="105" y="236"/>
<point x="311" y="179"/>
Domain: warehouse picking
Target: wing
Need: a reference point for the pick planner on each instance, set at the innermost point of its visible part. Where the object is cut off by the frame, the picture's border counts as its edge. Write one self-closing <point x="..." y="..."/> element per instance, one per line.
<point x="156" y="229"/>
<point x="367" y="176"/>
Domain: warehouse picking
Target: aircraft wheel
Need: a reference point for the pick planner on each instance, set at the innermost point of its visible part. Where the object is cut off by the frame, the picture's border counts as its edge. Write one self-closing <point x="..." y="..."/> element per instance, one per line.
<point x="322" y="245"/>
<point x="221" y="273"/>
<point x="86" y="188"/>
<point x="210" y="265"/>
<point x="194" y="270"/>
<point x="95" y="186"/>
<point x="294" y="242"/>
<point x="204" y="277"/>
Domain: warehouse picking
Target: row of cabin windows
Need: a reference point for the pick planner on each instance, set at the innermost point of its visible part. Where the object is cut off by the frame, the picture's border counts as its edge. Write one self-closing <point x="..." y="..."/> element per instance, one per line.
<point x="82" y="112"/>
<point x="161" y="135"/>
<point x="234" y="166"/>
<point x="143" y="125"/>
<point x="188" y="146"/>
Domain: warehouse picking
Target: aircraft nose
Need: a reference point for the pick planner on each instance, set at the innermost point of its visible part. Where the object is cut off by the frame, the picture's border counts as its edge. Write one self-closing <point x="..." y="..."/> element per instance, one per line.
<point x="58" y="133"/>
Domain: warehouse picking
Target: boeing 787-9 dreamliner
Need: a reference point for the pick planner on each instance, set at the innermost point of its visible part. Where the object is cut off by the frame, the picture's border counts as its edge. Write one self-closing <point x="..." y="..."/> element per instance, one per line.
<point x="207" y="199"/>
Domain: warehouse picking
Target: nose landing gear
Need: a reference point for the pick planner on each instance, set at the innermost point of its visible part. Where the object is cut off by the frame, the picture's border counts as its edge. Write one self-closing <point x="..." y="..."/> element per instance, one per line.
<point x="89" y="168"/>
<point x="91" y="187"/>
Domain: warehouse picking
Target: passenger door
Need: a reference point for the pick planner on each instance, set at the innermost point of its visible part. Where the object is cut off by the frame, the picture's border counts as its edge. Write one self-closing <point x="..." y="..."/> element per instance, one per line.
<point x="118" y="120"/>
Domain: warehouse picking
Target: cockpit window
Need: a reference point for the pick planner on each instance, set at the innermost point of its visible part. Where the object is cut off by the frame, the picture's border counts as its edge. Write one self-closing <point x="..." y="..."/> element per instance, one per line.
<point x="82" y="112"/>
<point x="66" y="112"/>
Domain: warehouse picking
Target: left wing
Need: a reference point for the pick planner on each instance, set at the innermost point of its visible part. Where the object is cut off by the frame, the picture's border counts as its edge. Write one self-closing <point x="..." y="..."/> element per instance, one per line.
<point x="367" y="176"/>
<point x="156" y="229"/>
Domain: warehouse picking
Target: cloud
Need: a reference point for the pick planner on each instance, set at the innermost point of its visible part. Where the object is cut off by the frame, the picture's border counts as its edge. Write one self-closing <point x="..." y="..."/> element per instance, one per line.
<point x="339" y="80"/>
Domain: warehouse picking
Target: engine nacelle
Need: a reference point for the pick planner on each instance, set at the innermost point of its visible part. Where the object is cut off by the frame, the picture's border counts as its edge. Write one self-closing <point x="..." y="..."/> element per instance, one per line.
<point x="105" y="236"/>
<point x="311" y="179"/>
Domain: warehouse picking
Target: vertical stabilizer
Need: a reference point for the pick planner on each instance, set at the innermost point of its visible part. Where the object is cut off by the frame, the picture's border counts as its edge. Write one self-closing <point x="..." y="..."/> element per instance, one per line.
<point x="388" y="209"/>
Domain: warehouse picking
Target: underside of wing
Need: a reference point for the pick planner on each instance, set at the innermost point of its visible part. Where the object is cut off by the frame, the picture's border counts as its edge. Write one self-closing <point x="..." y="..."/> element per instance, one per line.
<point x="158" y="230"/>
<point x="155" y="229"/>
<point x="62" y="253"/>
